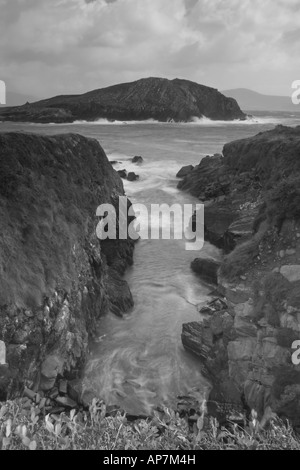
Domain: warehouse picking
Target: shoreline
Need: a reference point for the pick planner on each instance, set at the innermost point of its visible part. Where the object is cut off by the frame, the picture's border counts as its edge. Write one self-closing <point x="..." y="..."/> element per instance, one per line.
<point x="246" y="341"/>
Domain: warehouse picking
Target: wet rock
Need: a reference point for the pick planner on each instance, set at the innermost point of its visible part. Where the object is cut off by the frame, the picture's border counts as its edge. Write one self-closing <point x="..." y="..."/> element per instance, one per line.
<point x="138" y="160"/>
<point x="212" y="307"/>
<point x="115" y="162"/>
<point x="185" y="170"/>
<point x="122" y="174"/>
<point x="194" y="337"/>
<point x="207" y="269"/>
<point x="132" y="176"/>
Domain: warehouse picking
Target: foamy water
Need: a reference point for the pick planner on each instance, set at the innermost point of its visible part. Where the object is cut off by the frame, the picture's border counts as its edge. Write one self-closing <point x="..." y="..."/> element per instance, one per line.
<point x="138" y="362"/>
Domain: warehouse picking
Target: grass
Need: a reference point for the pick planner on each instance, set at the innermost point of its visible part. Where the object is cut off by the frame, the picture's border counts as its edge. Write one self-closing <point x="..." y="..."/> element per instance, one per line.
<point x="283" y="202"/>
<point x="238" y="261"/>
<point x="92" y="430"/>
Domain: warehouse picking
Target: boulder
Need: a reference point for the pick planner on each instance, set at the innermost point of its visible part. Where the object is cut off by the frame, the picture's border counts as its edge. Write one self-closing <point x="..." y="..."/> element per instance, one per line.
<point x="132" y="176"/>
<point x="122" y="174"/>
<point x="207" y="269"/>
<point x="138" y="160"/>
<point x="51" y="367"/>
<point x="185" y="170"/>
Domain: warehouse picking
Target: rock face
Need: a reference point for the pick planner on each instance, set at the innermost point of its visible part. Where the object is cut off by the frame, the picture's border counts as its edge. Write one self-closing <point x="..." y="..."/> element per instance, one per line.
<point x="149" y="98"/>
<point x="185" y="170"/>
<point x="207" y="269"/>
<point x="56" y="277"/>
<point x="245" y="343"/>
<point x="230" y="186"/>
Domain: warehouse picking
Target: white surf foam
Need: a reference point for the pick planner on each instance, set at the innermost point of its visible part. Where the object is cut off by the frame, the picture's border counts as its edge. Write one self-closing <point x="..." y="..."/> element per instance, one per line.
<point x="204" y="121"/>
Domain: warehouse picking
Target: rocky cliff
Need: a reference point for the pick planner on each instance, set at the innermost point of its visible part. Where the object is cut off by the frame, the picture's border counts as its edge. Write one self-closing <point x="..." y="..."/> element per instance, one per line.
<point x="56" y="277"/>
<point x="252" y="198"/>
<point x="150" y="98"/>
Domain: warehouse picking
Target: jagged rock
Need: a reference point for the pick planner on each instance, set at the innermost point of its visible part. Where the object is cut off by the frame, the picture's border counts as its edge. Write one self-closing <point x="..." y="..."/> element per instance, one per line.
<point x="207" y="269"/>
<point x="56" y="275"/>
<point x="148" y="98"/>
<point x="138" y="160"/>
<point x="215" y="305"/>
<point x="185" y="170"/>
<point x="122" y="174"/>
<point x="132" y="176"/>
<point x="250" y="360"/>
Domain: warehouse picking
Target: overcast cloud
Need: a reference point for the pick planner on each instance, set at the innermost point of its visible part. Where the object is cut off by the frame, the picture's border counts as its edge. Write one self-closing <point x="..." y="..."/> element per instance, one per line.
<point x="51" y="47"/>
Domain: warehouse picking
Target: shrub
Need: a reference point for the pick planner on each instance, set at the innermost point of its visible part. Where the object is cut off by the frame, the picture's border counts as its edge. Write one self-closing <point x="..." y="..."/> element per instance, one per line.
<point x="165" y="431"/>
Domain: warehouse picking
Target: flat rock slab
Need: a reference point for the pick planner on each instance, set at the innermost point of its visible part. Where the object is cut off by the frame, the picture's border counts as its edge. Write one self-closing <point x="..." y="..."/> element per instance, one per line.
<point x="66" y="401"/>
<point x="291" y="273"/>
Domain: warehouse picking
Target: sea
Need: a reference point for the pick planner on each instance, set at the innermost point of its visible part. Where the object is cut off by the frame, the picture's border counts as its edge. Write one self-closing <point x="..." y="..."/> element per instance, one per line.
<point x="138" y="361"/>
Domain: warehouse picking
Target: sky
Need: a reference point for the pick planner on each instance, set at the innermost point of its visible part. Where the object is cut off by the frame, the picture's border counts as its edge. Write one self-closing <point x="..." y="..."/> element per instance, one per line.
<point x="51" y="47"/>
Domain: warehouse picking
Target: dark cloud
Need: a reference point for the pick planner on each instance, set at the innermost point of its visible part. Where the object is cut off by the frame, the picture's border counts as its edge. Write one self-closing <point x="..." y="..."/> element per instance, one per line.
<point x="61" y="46"/>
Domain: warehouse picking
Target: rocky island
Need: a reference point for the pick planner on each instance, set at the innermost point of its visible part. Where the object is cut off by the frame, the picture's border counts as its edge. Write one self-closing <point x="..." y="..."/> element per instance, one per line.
<point x="150" y="98"/>
<point x="57" y="278"/>
<point x="245" y="341"/>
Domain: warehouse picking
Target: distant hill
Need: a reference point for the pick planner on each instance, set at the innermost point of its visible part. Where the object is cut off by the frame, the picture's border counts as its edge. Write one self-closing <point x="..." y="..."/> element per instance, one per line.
<point x="17" y="99"/>
<point x="252" y="101"/>
<point x="150" y="98"/>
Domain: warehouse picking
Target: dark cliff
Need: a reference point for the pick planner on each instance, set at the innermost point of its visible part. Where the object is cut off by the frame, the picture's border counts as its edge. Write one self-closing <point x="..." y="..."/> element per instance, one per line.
<point x="56" y="277"/>
<point x="252" y="198"/>
<point x="150" y="98"/>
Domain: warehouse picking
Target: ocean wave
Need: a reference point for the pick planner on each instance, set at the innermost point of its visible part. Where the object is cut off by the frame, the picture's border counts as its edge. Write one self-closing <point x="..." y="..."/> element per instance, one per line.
<point x="106" y="122"/>
<point x="196" y="121"/>
<point x="250" y="120"/>
<point x="204" y="121"/>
